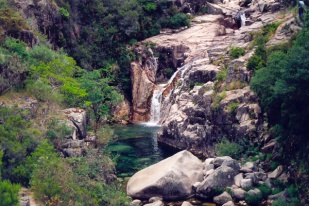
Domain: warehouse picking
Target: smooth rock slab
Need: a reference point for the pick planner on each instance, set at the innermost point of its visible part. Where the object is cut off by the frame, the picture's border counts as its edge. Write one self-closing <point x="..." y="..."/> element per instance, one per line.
<point x="170" y="179"/>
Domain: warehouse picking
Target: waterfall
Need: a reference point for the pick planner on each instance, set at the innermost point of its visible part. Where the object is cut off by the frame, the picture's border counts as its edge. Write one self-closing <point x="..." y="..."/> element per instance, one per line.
<point x="243" y="19"/>
<point x="156" y="106"/>
<point x="156" y="101"/>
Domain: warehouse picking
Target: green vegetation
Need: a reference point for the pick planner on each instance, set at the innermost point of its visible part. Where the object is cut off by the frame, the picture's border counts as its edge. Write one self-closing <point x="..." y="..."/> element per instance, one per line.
<point x="253" y="200"/>
<point x="8" y="193"/>
<point x="236" y="52"/>
<point x="227" y="148"/>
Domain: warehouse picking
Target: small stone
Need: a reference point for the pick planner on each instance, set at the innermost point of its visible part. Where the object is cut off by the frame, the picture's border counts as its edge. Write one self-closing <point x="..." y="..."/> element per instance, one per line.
<point x="261" y="176"/>
<point x="209" y="161"/>
<point x="253" y="177"/>
<point x="154" y="199"/>
<point x="246" y="183"/>
<point x="276" y="173"/>
<point x="219" y="160"/>
<point x="229" y="203"/>
<point x="245" y="170"/>
<point x="136" y="203"/>
<point x="185" y="203"/>
<point x="231" y="163"/>
<point x="209" y="167"/>
<point x="223" y="198"/>
<point x="157" y="203"/>
<point x="237" y="179"/>
<point x="239" y="194"/>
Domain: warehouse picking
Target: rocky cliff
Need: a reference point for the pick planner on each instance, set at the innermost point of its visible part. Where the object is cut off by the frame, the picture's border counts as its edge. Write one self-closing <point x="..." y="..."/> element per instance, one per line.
<point x="202" y="107"/>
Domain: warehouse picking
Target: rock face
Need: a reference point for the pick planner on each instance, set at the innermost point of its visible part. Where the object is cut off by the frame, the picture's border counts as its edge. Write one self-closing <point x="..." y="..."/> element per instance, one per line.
<point x="77" y="121"/>
<point x="202" y="107"/>
<point x="143" y="77"/>
<point x="170" y="179"/>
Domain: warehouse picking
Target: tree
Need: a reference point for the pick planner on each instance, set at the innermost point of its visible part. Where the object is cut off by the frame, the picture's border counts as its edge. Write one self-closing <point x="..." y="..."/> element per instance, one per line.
<point x="101" y="96"/>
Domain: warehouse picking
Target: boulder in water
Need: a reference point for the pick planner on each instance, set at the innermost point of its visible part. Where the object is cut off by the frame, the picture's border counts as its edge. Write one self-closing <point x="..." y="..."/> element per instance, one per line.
<point x="170" y="179"/>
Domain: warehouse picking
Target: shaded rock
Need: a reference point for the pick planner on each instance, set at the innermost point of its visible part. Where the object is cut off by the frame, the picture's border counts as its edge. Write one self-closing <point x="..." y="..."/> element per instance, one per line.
<point x="232" y="163"/>
<point x="239" y="194"/>
<point x="251" y="165"/>
<point x="237" y="179"/>
<point x="245" y="170"/>
<point x="253" y="177"/>
<point x="222" y="177"/>
<point x="170" y="179"/>
<point x="24" y="201"/>
<point x="267" y="182"/>
<point x="71" y="152"/>
<point x="185" y="203"/>
<point x="136" y="203"/>
<point x="209" y="172"/>
<point x="269" y="146"/>
<point x="155" y="199"/>
<point x="246" y="183"/>
<point x="229" y="203"/>
<point x="282" y="195"/>
<point x="78" y="122"/>
<point x="284" y="177"/>
<point x="223" y="198"/>
<point x="219" y="160"/>
<point x="261" y="176"/>
<point x="276" y="173"/>
<point x="214" y="9"/>
<point x="254" y="192"/>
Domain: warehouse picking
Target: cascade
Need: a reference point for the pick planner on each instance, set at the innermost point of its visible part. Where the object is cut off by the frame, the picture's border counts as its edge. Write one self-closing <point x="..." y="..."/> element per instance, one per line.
<point x="156" y="105"/>
<point x="243" y="19"/>
<point x="155" y="109"/>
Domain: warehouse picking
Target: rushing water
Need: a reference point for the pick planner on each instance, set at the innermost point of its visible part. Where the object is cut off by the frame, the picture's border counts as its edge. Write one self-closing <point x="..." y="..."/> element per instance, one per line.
<point x="137" y="148"/>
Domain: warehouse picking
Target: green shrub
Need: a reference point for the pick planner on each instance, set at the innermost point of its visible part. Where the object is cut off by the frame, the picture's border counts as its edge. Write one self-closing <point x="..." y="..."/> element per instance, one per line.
<point x="265" y="191"/>
<point x="64" y="13"/>
<point x="222" y="75"/>
<point x="254" y="63"/>
<point x="282" y="202"/>
<point x="8" y="193"/>
<point x="176" y="21"/>
<point x="236" y="52"/>
<point x="169" y="72"/>
<point x="203" y="10"/>
<point x="150" y="7"/>
<point x="233" y="107"/>
<point x="253" y="200"/>
<point x="227" y="148"/>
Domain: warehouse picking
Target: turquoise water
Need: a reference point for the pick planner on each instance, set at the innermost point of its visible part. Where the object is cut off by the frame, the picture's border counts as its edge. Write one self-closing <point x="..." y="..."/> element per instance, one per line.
<point x="137" y="148"/>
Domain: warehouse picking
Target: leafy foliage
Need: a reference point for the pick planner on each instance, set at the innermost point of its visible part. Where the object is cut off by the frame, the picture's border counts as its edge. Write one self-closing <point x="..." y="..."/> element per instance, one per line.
<point x="227" y="148"/>
<point x="8" y="193"/>
<point x="236" y="52"/>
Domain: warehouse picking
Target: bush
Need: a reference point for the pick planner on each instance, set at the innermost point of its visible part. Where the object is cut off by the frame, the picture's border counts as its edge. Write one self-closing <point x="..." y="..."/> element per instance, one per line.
<point x="265" y="191"/>
<point x="253" y="200"/>
<point x="8" y="193"/>
<point x="176" y="21"/>
<point x="227" y="148"/>
<point x="233" y="107"/>
<point x="236" y="52"/>
<point x="64" y="13"/>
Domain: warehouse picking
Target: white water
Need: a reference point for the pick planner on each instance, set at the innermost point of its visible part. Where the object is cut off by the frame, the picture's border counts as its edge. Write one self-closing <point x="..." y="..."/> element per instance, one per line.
<point x="243" y="19"/>
<point x="155" y="110"/>
<point x="156" y="105"/>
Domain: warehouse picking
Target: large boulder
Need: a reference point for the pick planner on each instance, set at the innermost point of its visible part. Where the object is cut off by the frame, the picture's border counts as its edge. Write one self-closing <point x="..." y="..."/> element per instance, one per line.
<point x="170" y="179"/>
<point x="221" y="178"/>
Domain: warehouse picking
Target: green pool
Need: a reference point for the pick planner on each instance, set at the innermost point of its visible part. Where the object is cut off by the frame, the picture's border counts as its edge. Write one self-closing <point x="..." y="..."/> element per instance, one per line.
<point x="137" y="148"/>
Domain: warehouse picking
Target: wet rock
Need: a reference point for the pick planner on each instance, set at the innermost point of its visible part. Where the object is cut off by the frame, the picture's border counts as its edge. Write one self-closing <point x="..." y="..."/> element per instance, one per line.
<point x="170" y="179"/>
<point x="223" y="198"/>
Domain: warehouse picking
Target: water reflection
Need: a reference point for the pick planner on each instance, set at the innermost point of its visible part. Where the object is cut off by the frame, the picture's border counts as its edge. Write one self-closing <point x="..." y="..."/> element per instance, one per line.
<point x="137" y="148"/>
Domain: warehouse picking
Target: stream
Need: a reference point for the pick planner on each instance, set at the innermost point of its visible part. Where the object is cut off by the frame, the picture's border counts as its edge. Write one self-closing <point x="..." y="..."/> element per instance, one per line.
<point x="137" y="148"/>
